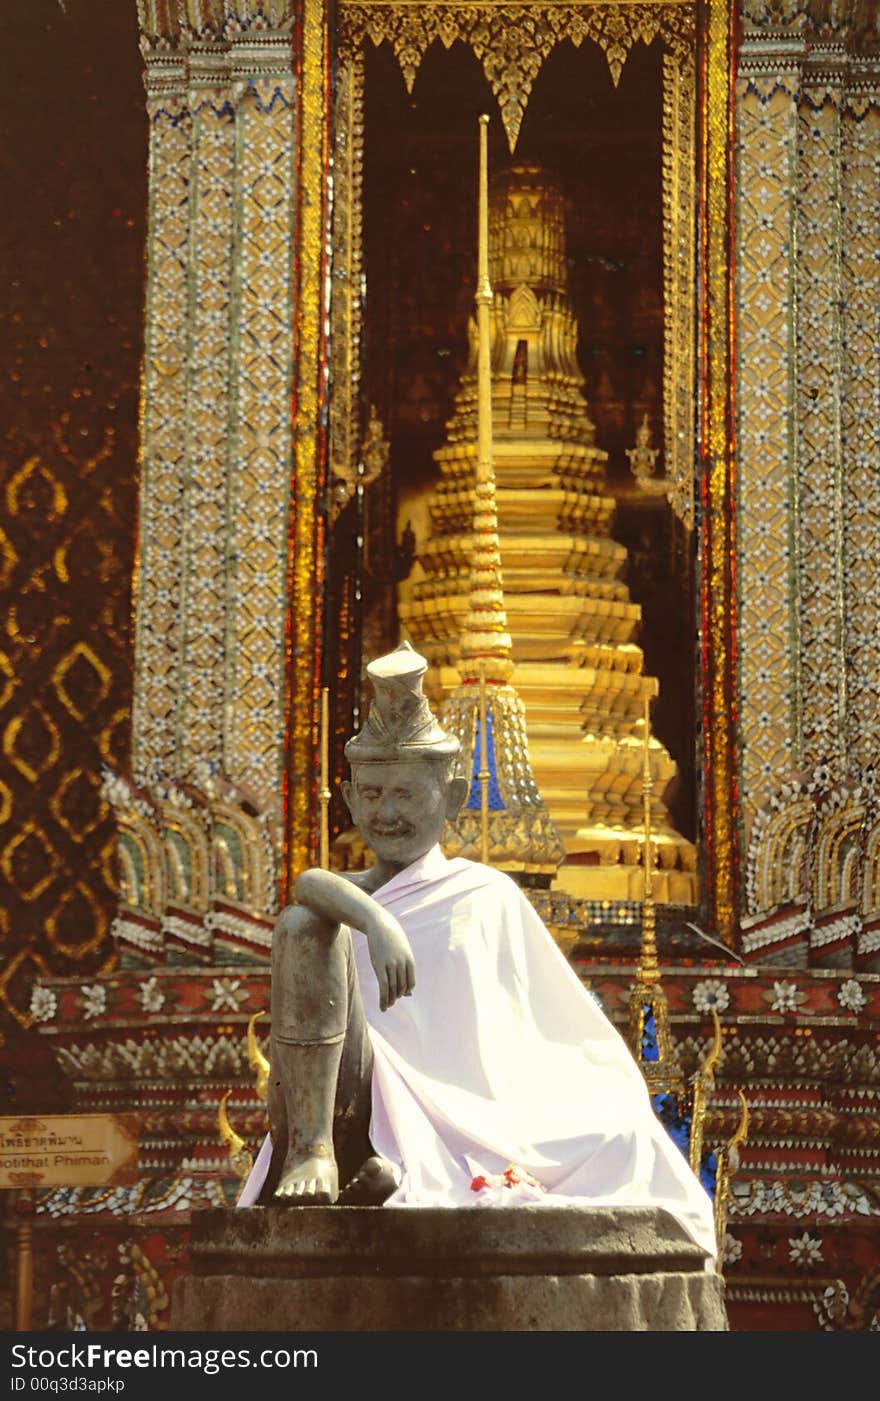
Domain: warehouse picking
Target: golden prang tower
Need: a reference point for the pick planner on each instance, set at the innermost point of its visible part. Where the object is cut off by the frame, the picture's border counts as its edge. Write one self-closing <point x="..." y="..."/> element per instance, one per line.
<point x="569" y="614"/>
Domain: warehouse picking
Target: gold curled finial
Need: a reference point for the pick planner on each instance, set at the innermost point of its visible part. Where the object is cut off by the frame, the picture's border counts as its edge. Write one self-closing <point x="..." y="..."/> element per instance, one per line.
<point x="714" y="1055"/>
<point x="240" y="1158"/>
<point x="742" y="1132"/>
<point x="703" y="1085"/>
<point x="726" y="1165"/>
<point x="256" y="1060"/>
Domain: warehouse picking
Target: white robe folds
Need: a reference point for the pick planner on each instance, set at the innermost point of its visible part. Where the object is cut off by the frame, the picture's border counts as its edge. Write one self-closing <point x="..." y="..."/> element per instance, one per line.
<point x="501" y="1056"/>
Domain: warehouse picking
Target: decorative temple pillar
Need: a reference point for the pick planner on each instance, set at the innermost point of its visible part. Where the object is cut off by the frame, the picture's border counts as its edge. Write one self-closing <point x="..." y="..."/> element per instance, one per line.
<point x="767" y="149"/>
<point x="816" y="406"/>
<point x="204" y="589"/>
<point x="261" y="343"/>
<point x="229" y="579"/>
<point x="860" y="403"/>
<point x="808" y="387"/>
<point x="159" y="566"/>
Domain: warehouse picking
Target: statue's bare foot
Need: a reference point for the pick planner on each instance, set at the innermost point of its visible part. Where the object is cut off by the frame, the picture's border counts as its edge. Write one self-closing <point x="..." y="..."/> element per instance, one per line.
<point x="307" y="1180"/>
<point x="371" y="1186"/>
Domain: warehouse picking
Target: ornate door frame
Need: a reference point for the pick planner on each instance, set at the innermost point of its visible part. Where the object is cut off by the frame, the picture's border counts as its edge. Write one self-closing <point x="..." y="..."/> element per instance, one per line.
<point x="511" y="41"/>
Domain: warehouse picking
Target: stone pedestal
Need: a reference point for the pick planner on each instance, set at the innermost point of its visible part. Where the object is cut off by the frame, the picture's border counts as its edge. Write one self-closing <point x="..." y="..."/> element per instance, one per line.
<point x="514" y="1269"/>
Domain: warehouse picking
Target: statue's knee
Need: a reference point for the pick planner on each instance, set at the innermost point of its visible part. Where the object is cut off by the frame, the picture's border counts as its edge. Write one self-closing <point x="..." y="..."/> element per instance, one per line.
<point x="300" y="929"/>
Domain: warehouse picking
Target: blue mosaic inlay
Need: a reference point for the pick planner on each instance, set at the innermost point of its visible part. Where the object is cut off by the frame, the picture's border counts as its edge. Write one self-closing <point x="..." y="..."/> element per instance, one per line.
<point x="649" y="1049"/>
<point x="473" y="803"/>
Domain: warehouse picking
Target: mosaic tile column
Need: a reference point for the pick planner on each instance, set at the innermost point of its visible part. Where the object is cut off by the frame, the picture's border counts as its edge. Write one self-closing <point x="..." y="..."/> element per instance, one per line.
<point x="261" y="463"/>
<point x="158" y="676"/>
<point x="202" y="708"/>
<point x="229" y="586"/>
<point x="767" y="126"/>
<point x="860" y="413"/>
<point x="819" y="521"/>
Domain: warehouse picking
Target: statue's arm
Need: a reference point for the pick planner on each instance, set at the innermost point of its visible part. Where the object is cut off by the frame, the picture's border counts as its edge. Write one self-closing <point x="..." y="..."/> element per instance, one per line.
<point x="338" y="901"/>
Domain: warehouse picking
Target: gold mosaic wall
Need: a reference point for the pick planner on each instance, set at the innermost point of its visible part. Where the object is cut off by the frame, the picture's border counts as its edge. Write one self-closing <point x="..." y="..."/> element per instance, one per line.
<point x="73" y="199"/>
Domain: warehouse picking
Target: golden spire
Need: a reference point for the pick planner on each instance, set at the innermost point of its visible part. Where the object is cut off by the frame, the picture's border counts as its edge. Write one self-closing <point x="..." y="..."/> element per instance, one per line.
<point x="485" y="638"/>
<point x="514" y="830"/>
<point x="572" y="622"/>
<point x="484" y="303"/>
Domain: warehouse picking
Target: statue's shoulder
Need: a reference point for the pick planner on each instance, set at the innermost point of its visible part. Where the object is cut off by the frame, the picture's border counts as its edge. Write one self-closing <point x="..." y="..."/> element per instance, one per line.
<point x="476" y="876"/>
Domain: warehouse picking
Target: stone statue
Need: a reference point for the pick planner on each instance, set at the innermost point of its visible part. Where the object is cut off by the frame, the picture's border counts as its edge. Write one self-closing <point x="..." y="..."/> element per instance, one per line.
<point x="400" y="796"/>
<point x="430" y="1043"/>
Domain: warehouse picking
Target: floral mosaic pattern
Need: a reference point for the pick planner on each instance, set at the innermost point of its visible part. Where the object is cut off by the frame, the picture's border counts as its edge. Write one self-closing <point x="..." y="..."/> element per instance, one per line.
<point x="851" y="997"/>
<point x="711" y="995"/>
<point x="805" y="1251"/>
<point x="785" y="997"/>
<point x="44" y="1004"/>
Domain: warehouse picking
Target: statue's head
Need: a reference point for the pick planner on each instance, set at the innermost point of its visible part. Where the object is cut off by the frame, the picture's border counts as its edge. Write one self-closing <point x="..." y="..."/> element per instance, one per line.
<point x="402" y="789"/>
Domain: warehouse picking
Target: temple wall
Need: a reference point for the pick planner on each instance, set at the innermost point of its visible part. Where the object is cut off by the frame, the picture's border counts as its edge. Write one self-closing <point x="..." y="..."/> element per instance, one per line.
<point x="71" y="309"/>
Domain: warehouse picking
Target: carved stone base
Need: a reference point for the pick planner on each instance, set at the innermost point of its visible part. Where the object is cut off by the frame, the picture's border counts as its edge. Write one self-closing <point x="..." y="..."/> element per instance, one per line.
<point x="397" y="1269"/>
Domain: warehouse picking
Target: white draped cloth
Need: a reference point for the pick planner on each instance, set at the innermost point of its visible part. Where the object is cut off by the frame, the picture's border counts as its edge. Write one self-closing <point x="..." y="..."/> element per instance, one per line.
<point x="501" y="1056"/>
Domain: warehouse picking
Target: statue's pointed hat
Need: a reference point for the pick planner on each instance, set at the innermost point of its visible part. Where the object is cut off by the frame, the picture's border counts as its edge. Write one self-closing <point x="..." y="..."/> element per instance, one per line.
<point x="400" y="724"/>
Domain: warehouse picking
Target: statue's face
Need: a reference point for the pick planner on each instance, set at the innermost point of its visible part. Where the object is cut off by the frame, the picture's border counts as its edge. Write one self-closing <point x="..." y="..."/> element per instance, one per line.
<point x="401" y="808"/>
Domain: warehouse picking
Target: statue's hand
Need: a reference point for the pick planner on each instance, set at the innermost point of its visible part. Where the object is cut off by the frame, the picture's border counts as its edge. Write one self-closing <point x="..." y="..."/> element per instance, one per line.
<point x="391" y="957"/>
